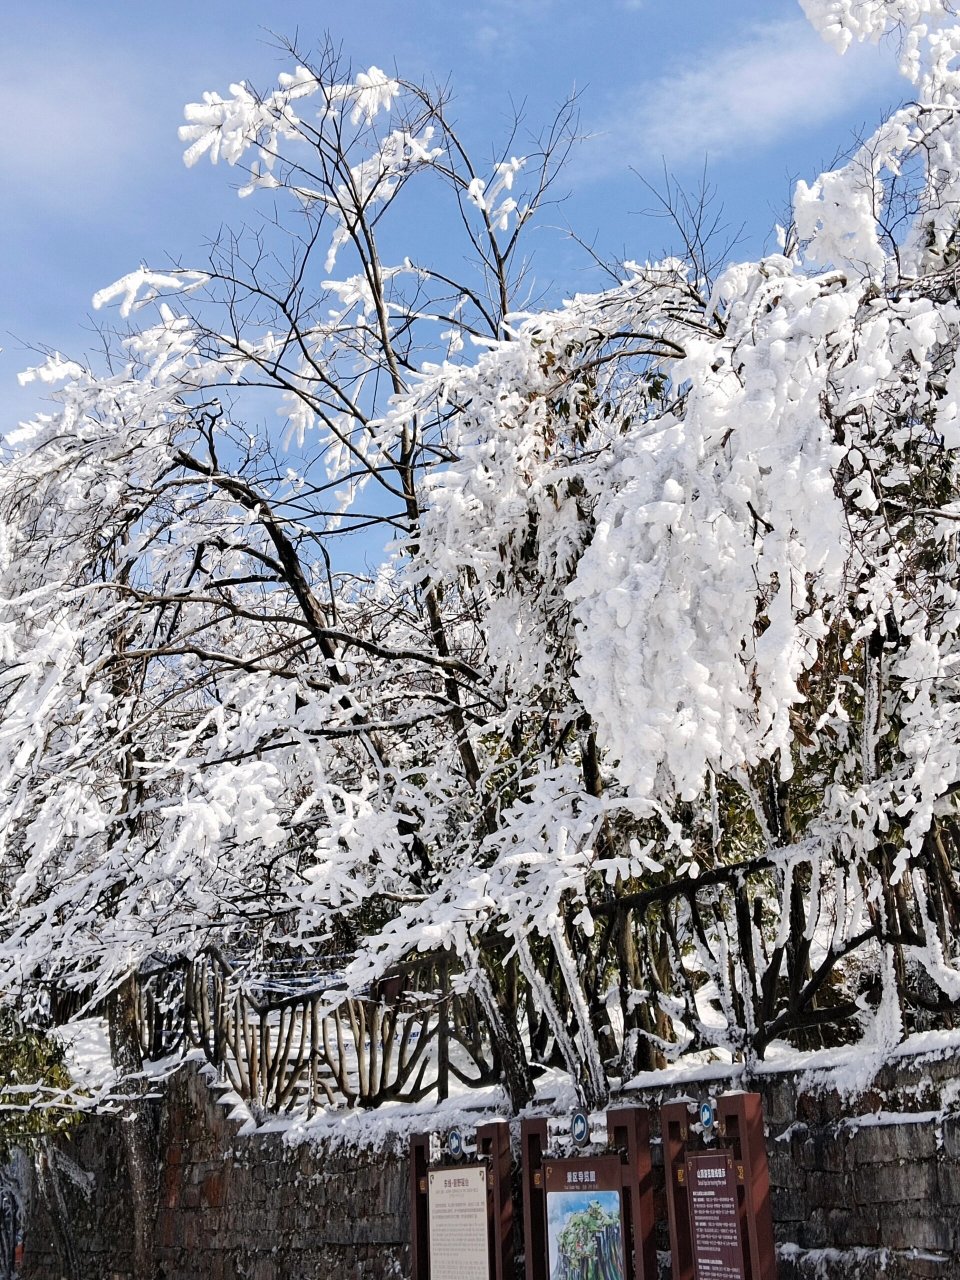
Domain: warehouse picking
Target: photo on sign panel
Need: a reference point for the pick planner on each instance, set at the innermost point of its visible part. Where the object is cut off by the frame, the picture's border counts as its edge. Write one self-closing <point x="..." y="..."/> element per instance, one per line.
<point x="584" y="1235"/>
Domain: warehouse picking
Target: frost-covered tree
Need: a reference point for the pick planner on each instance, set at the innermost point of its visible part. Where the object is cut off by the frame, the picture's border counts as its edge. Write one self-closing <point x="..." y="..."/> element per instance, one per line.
<point x="216" y="730"/>
<point x="646" y="720"/>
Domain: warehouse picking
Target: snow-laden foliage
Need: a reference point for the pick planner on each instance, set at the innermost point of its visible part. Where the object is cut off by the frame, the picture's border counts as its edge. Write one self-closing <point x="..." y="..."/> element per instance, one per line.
<point x="842" y="21"/>
<point x="647" y="723"/>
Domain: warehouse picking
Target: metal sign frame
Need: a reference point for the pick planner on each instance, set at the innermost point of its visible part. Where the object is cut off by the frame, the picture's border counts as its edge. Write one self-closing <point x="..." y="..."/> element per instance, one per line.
<point x="739" y="1129"/>
<point x="493" y="1149"/>
<point x="628" y="1134"/>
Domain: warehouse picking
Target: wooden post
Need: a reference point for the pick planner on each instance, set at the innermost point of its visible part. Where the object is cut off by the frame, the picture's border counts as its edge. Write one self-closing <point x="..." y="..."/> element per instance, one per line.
<point x="533" y="1144"/>
<point x="675" y="1129"/>
<point x="628" y="1129"/>
<point x="443" y="1035"/>
<point x="739" y="1130"/>
<point x="628" y="1133"/>
<point x="741" y="1127"/>
<point x="419" y="1219"/>
<point x="493" y="1142"/>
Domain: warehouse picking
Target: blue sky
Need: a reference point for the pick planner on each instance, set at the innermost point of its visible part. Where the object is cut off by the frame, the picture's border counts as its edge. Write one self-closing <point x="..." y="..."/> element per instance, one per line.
<point x="93" y="181"/>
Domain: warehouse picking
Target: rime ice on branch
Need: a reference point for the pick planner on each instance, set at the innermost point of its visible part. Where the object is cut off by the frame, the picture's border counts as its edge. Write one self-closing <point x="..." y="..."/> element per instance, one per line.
<point x="647" y="725"/>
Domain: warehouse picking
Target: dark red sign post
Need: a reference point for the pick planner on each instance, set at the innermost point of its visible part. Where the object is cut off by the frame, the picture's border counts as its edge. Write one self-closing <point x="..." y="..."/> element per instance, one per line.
<point x="533" y="1149"/>
<point x="493" y="1143"/>
<point x="419" y="1209"/>
<point x="718" y="1195"/>
<point x="492" y="1155"/>
<point x="626" y="1173"/>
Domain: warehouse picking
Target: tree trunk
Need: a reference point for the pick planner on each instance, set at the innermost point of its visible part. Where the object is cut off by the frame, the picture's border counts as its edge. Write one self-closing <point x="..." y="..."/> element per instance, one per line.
<point x="48" y="1184"/>
<point x="517" y="1079"/>
<point x="138" y="1127"/>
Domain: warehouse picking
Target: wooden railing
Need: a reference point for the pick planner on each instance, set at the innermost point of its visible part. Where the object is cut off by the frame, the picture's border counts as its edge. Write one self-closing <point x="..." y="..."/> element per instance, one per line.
<point x="402" y="1041"/>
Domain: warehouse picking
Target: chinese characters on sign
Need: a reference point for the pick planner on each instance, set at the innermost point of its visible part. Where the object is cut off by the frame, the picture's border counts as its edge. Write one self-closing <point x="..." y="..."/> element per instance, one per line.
<point x="715" y="1217"/>
<point x="457" y="1200"/>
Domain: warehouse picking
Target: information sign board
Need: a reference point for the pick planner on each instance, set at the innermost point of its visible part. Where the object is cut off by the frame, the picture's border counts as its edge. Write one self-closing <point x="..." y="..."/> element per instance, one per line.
<point x="585" y="1229"/>
<point x="457" y="1214"/>
<point x="714" y="1216"/>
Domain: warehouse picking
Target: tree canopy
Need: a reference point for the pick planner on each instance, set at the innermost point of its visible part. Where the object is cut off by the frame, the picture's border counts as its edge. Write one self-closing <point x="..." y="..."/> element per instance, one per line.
<point x="647" y="718"/>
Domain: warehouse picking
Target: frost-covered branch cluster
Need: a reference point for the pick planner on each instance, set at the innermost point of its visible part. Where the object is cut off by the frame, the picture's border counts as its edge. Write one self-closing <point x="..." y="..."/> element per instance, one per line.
<point x="647" y="721"/>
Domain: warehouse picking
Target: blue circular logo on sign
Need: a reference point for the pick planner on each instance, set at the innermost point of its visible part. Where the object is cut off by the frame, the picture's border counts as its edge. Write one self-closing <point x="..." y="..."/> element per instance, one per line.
<point x="580" y="1128"/>
<point x="706" y="1114"/>
<point x="455" y="1143"/>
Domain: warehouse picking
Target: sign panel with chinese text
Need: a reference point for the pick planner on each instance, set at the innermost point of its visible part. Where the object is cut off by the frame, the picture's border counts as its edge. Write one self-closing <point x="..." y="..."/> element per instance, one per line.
<point x="457" y="1208"/>
<point x="715" y="1216"/>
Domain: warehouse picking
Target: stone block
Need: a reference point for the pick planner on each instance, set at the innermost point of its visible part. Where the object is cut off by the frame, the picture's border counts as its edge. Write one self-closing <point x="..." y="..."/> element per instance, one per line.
<point x="948" y="1183"/>
<point x="810" y="1109"/>
<point x="870" y="1102"/>
<point x="192" y="1230"/>
<point x="824" y="1151"/>
<point x="397" y="1195"/>
<point x="832" y="1105"/>
<point x="848" y="1228"/>
<point x="939" y="1070"/>
<point x="796" y="1141"/>
<point x="213" y="1189"/>
<point x="915" y="1228"/>
<point x="166" y="1229"/>
<point x="812" y="1234"/>
<point x="951" y="1137"/>
<point x="784" y="1232"/>
<point x="170" y="1193"/>
<point x="787" y="1205"/>
<point x="830" y="1191"/>
<point x="779" y="1103"/>
<point x="212" y="1220"/>
<point x="886" y="1184"/>
<point x="887" y="1143"/>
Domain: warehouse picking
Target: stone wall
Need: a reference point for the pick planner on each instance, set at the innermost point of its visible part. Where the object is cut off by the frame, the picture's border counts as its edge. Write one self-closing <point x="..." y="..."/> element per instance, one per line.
<point x="231" y="1207"/>
<point x="860" y="1189"/>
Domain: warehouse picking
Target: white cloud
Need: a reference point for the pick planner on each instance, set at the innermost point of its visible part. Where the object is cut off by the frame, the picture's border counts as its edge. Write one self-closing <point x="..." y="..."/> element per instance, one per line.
<point x="79" y="126"/>
<point x="488" y="39"/>
<point x="502" y="26"/>
<point x="744" y="97"/>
